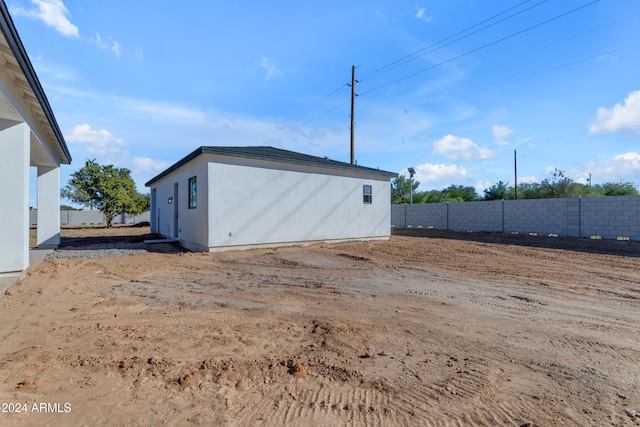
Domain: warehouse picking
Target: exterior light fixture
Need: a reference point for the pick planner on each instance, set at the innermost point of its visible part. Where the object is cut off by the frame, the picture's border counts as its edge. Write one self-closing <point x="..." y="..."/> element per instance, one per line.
<point x="170" y="200"/>
<point x="412" y="172"/>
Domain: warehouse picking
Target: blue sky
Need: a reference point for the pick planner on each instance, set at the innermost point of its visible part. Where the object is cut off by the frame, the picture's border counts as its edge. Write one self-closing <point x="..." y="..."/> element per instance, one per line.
<point x="451" y="88"/>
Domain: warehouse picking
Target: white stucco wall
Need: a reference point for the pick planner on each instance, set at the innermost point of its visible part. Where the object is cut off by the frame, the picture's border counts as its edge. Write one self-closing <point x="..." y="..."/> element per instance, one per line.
<point x="258" y="203"/>
<point x="14" y="193"/>
<point x="48" y="234"/>
<point x="29" y="136"/>
<point x="192" y="223"/>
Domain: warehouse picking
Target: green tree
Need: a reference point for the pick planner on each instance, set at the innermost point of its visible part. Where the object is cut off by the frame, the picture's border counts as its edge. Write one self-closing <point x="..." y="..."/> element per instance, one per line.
<point x="618" y="189"/>
<point x="400" y="190"/>
<point x="109" y="189"/>
<point x="459" y="193"/>
<point x="419" y="197"/>
<point x="433" y="196"/>
<point x="558" y="185"/>
<point x="590" y="191"/>
<point x="68" y="208"/>
<point x="499" y="191"/>
<point x="529" y="190"/>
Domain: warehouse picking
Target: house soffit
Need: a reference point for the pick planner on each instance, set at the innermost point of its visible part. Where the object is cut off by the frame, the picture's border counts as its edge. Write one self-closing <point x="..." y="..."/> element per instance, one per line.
<point x="18" y="103"/>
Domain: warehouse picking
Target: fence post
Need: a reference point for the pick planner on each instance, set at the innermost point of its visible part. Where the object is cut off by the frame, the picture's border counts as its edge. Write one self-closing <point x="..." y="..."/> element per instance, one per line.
<point x="447" y="216"/>
<point x="579" y="216"/>
<point x="405" y="215"/>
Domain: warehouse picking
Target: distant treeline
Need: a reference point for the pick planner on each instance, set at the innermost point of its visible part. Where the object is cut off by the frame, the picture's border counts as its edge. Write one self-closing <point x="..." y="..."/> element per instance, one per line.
<point x="556" y="186"/>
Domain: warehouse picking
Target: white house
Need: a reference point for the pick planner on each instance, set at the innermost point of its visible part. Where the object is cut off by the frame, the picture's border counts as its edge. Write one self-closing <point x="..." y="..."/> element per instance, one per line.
<point x="220" y="198"/>
<point x="29" y="137"/>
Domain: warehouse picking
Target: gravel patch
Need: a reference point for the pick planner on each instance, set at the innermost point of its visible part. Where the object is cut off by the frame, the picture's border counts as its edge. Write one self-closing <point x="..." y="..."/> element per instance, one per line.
<point x="101" y="250"/>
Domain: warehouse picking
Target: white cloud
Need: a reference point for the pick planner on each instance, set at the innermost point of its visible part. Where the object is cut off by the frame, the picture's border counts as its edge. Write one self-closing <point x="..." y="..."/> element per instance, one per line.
<point x="98" y="142"/>
<point x="51" y="12"/>
<point x="146" y="165"/>
<point x="623" y="167"/>
<point x="159" y="120"/>
<point x="421" y="14"/>
<point x="441" y="175"/>
<point x="270" y="68"/>
<point x="54" y="14"/>
<point x="139" y="53"/>
<point x="483" y="185"/>
<point x="108" y="44"/>
<point x="116" y="48"/>
<point x="456" y="148"/>
<point x="502" y="134"/>
<point x="530" y="178"/>
<point x="620" y="117"/>
<point x="168" y="113"/>
<point x="632" y="159"/>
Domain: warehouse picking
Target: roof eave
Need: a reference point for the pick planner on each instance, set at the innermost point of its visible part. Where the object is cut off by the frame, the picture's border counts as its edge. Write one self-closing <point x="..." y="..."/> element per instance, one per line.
<point x="20" y="54"/>
<point x="175" y="166"/>
<point x="212" y="151"/>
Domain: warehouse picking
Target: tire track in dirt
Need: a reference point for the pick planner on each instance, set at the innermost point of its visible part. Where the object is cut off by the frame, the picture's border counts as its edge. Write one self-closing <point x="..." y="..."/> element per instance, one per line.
<point x="526" y="306"/>
<point x="329" y="405"/>
<point x="355" y="406"/>
<point x="477" y="335"/>
<point x="467" y="380"/>
<point x="594" y="349"/>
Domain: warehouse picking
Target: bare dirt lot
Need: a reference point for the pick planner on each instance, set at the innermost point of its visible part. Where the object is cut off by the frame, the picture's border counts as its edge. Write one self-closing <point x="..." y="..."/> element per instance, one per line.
<point x="443" y="330"/>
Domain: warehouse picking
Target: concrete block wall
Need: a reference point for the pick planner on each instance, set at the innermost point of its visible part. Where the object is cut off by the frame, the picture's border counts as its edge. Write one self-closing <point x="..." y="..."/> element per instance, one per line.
<point x="473" y="216"/>
<point x="89" y="218"/>
<point x="398" y="216"/>
<point x="542" y="216"/>
<point x="611" y="217"/>
<point x="81" y="218"/>
<point x="132" y="219"/>
<point x="604" y="217"/>
<point x="423" y="215"/>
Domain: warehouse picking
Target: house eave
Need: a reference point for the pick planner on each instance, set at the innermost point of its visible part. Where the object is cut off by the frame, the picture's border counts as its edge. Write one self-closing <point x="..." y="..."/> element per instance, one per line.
<point x="285" y="157"/>
<point x="25" y="85"/>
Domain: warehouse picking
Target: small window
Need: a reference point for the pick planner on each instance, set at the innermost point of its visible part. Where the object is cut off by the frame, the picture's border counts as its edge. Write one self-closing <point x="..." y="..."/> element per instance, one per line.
<point x="366" y="194"/>
<point x="193" y="192"/>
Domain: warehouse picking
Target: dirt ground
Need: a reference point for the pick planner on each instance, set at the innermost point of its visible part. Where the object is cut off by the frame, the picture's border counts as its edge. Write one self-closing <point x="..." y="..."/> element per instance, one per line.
<point x="429" y="329"/>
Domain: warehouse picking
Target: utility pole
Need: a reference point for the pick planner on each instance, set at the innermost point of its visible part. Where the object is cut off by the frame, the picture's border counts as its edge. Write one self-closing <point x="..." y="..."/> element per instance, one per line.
<point x="353" y="99"/>
<point x="515" y="169"/>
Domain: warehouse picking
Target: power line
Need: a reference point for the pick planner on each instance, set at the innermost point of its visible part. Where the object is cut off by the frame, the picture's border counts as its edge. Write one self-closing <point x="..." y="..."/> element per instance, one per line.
<point x="552" y="138"/>
<point x="408" y="58"/>
<point x="320" y="115"/>
<point x="310" y="107"/>
<point x="612" y="130"/>
<point x="437" y="45"/>
<point x="481" y="47"/>
<point x="459" y="56"/>
<point x="559" y="42"/>
<point x="278" y="126"/>
<point x="558" y="67"/>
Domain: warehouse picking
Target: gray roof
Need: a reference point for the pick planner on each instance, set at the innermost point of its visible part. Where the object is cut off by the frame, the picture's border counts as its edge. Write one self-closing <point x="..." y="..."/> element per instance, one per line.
<point x="274" y="155"/>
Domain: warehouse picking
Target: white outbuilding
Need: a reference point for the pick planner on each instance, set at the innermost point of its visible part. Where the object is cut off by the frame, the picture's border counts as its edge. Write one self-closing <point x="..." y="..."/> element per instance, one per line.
<point x="221" y="198"/>
<point x="29" y="137"/>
